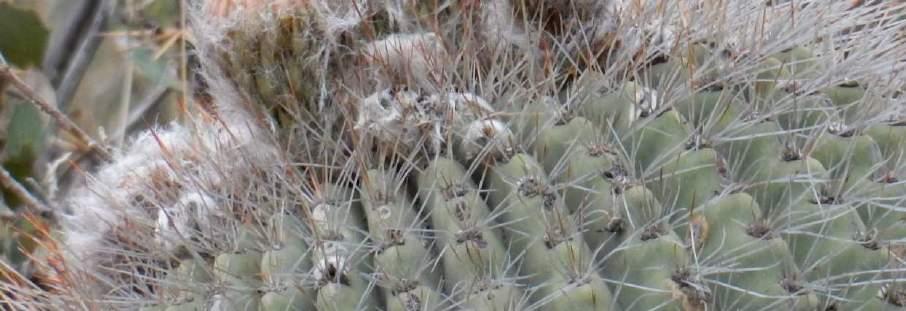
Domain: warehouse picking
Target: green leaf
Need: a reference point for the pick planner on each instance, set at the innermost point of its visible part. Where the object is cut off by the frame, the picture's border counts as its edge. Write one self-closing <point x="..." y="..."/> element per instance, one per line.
<point x="24" y="142"/>
<point x="155" y="70"/>
<point x="163" y="12"/>
<point x="25" y="131"/>
<point x="23" y="37"/>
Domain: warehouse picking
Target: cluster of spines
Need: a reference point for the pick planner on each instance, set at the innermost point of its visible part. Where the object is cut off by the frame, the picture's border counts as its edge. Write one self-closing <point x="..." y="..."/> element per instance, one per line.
<point x="567" y="216"/>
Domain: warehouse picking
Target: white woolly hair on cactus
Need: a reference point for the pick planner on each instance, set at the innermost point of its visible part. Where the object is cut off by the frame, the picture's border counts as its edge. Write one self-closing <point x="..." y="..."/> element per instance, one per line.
<point x="502" y="25"/>
<point x="193" y="211"/>
<point x="340" y="16"/>
<point x="418" y="56"/>
<point x="489" y="136"/>
<point x="410" y="119"/>
<point x="162" y="186"/>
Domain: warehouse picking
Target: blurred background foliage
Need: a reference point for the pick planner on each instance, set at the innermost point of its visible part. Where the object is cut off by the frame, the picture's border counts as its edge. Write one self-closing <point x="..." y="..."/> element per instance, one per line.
<point x="113" y="66"/>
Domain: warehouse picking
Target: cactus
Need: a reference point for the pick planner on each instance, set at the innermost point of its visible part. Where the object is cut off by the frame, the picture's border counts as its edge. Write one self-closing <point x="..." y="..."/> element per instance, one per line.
<point x="455" y="156"/>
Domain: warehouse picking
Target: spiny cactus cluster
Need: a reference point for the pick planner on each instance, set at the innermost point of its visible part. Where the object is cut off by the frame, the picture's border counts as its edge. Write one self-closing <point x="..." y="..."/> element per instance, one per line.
<point x="509" y="155"/>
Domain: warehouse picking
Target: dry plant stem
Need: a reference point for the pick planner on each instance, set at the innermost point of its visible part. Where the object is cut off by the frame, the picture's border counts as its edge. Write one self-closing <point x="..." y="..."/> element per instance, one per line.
<point x="7" y="181"/>
<point x="71" y="52"/>
<point x="7" y="74"/>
